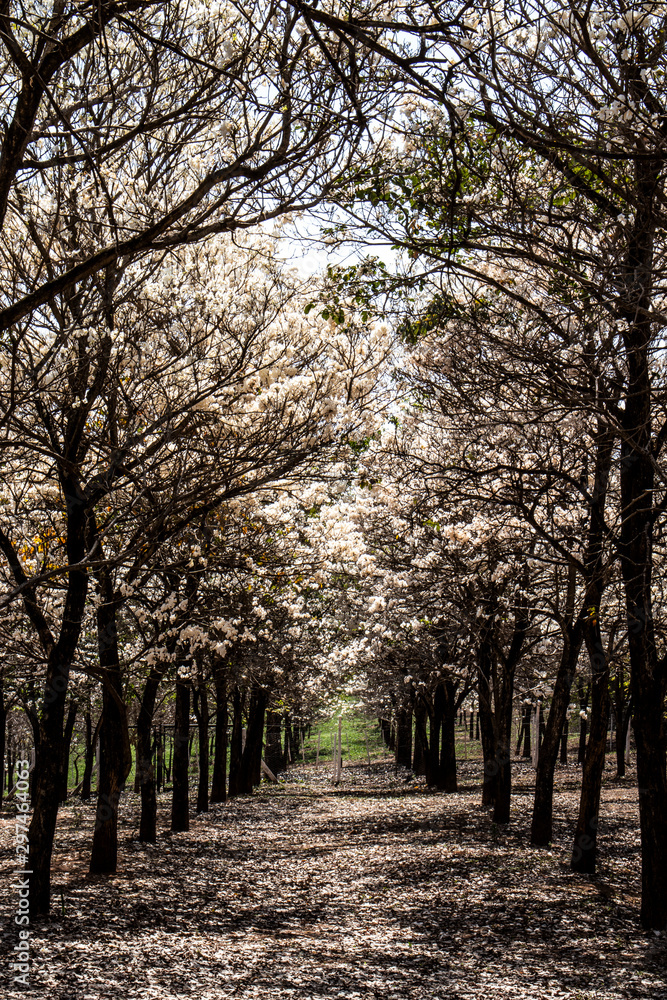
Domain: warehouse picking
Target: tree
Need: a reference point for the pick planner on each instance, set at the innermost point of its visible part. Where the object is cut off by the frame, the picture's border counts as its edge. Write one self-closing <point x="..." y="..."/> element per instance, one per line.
<point x="552" y="121"/>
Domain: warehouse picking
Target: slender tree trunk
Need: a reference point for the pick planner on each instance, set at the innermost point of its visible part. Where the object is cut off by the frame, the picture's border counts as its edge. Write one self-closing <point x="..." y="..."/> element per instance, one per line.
<point x="46" y="777"/>
<point x="621" y="739"/>
<point x="563" y="742"/>
<point x="92" y="736"/>
<point x="503" y="738"/>
<point x="541" y="830"/>
<point x="159" y="763"/>
<point x="67" y="743"/>
<point x="3" y="731"/>
<point x="115" y="749"/>
<point x="485" y="720"/>
<point x="403" y="737"/>
<point x="523" y="730"/>
<point x="251" y="757"/>
<point x="145" y="768"/>
<point x="421" y="740"/>
<point x="180" y="802"/>
<point x="527" y="748"/>
<point x="274" y="751"/>
<point x="584" y="697"/>
<point x="219" y="780"/>
<point x="448" y="750"/>
<point x="235" y="749"/>
<point x="202" y="733"/>
<point x="584" y="852"/>
<point x="639" y="510"/>
<point x="433" y="777"/>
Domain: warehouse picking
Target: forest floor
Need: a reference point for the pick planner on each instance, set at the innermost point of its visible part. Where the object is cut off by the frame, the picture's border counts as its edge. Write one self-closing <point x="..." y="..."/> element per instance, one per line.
<point x="378" y="888"/>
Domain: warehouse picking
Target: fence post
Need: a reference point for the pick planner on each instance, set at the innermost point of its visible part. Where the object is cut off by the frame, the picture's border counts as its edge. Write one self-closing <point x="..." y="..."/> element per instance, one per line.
<point x="339" y="760"/>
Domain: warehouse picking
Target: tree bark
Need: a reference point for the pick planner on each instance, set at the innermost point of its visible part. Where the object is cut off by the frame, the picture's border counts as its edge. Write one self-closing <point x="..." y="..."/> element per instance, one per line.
<point x="202" y="733"/>
<point x="433" y="776"/>
<point x="421" y="740"/>
<point x="46" y="777"/>
<point x="403" y="737"/>
<point x="541" y="830"/>
<point x="448" y="750"/>
<point x="251" y="757"/>
<point x="621" y="738"/>
<point x="115" y="750"/>
<point x="180" y="802"/>
<point x="563" y="742"/>
<point x="219" y="779"/>
<point x="584" y="852"/>
<point x="92" y="736"/>
<point x="584" y="697"/>
<point x="145" y="746"/>
<point x="235" y="749"/>
<point x="3" y="732"/>
<point x="485" y="720"/>
<point x="67" y="743"/>
<point x="274" y="752"/>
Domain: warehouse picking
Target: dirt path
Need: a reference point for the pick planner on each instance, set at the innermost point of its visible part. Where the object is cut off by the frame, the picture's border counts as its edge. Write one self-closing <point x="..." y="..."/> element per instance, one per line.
<point x="377" y="889"/>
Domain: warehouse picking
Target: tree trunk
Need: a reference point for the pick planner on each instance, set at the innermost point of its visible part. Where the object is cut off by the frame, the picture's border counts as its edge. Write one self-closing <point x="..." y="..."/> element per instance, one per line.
<point x="219" y="780"/>
<point x="46" y="785"/>
<point x="485" y="720"/>
<point x="3" y="731"/>
<point x="67" y="743"/>
<point x="159" y="758"/>
<point x="527" y="748"/>
<point x="433" y="777"/>
<point x="274" y="752"/>
<point x="145" y="768"/>
<point x="503" y="738"/>
<point x="202" y="733"/>
<point x="235" y="749"/>
<point x="621" y="739"/>
<point x="251" y="757"/>
<point x="92" y="736"/>
<point x="563" y="742"/>
<point x="403" y="737"/>
<point x="448" y="751"/>
<point x="115" y="750"/>
<point x="541" y="830"/>
<point x="180" y="801"/>
<point x="584" y="852"/>
<point x="421" y="741"/>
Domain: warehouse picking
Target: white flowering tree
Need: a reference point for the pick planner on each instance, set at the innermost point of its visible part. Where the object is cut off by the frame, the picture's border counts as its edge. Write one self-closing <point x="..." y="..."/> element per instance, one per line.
<point x="211" y="385"/>
<point x="546" y="125"/>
